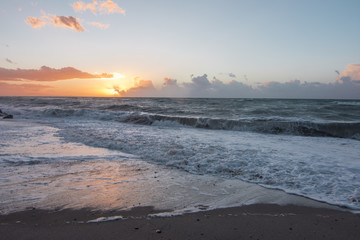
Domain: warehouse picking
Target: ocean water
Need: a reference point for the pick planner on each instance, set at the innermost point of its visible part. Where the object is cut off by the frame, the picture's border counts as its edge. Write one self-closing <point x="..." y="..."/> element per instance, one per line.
<point x="310" y="148"/>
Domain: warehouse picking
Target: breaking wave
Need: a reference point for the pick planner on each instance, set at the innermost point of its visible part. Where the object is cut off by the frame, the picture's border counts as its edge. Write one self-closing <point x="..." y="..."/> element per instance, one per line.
<point x="268" y="125"/>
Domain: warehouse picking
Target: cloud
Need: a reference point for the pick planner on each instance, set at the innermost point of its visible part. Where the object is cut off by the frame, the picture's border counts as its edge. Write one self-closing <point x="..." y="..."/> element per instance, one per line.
<point x="141" y="88"/>
<point x="170" y="88"/>
<point x="104" y="7"/>
<point x="57" y="21"/>
<point x="81" y="6"/>
<point x="110" y="7"/>
<point x="100" y="25"/>
<point x="232" y="75"/>
<point x="296" y="89"/>
<point x="64" y="22"/>
<point x="169" y="82"/>
<point x="233" y="89"/>
<point x="201" y="86"/>
<point x="9" y="61"/>
<point x="352" y="71"/>
<point x="67" y="22"/>
<point x="47" y="74"/>
<point x="35" y="22"/>
<point x="200" y="82"/>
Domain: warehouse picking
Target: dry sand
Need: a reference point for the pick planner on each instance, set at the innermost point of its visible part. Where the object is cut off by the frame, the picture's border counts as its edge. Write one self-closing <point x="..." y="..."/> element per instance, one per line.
<point x="261" y="221"/>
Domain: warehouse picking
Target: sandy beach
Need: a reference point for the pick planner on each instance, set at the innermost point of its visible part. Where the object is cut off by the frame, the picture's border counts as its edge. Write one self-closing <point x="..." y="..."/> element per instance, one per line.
<point x="262" y="221"/>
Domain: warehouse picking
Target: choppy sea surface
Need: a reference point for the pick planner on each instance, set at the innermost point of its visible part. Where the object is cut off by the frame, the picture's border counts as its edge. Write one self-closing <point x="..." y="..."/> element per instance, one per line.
<point x="309" y="148"/>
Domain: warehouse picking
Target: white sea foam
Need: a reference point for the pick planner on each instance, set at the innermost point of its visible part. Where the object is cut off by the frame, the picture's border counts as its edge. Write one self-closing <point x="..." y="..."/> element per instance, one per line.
<point x="301" y="151"/>
<point x="79" y="183"/>
<point x="106" y="219"/>
<point x="326" y="169"/>
<point x="351" y="103"/>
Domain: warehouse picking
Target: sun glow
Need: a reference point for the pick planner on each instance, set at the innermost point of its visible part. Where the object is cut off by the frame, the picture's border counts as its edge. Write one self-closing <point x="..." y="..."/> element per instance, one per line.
<point x="116" y="76"/>
<point x="113" y="83"/>
<point x="111" y="92"/>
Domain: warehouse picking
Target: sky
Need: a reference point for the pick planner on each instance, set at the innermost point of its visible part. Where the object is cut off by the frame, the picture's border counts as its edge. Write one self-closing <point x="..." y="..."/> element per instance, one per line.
<point x="188" y="48"/>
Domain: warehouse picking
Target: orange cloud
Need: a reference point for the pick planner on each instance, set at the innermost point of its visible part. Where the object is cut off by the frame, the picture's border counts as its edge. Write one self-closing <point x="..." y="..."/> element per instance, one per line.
<point x="110" y="7"/>
<point x="100" y="25"/>
<point x="35" y="22"/>
<point x="104" y="7"/>
<point x="47" y="74"/>
<point x="57" y="21"/>
<point x="64" y="22"/>
<point x="352" y="71"/>
<point x="81" y="6"/>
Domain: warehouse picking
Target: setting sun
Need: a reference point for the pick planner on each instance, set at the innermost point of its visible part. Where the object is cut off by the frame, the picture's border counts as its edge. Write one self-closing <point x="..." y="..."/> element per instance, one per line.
<point x="111" y="92"/>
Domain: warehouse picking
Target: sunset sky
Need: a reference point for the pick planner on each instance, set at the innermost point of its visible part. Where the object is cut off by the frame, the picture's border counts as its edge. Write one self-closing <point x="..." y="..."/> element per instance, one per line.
<point x="197" y="48"/>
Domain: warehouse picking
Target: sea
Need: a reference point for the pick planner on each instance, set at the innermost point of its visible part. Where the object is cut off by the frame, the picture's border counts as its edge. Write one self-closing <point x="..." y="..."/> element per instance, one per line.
<point x="177" y="153"/>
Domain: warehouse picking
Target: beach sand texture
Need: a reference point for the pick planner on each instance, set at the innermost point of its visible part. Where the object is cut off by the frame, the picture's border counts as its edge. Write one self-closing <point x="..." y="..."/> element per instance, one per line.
<point x="248" y="222"/>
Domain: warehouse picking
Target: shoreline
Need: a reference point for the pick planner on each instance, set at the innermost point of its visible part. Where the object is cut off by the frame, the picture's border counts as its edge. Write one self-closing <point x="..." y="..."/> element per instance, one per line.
<point x="257" y="221"/>
<point x="114" y="184"/>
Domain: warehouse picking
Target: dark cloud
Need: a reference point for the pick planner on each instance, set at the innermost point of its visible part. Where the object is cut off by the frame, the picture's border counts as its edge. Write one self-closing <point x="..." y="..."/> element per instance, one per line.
<point x="171" y="88"/>
<point x="67" y="22"/>
<point x="9" y="61"/>
<point x="46" y="74"/>
<point x="232" y="75"/>
<point x="199" y="82"/>
<point x="169" y="82"/>
<point x="233" y="89"/>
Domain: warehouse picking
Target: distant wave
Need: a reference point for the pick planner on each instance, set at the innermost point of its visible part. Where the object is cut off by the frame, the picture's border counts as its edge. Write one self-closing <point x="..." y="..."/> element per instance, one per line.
<point x="319" y="118"/>
<point x="269" y="125"/>
<point x="347" y="103"/>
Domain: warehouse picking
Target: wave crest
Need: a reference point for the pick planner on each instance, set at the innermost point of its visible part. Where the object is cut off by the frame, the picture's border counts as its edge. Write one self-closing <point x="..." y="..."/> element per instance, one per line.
<point x="271" y="125"/>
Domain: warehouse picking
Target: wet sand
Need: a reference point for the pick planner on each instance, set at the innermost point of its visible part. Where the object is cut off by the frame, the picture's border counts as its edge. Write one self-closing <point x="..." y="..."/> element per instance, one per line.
<point x="260" y="221"/>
